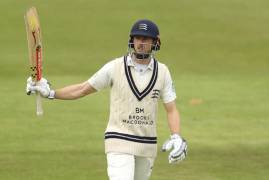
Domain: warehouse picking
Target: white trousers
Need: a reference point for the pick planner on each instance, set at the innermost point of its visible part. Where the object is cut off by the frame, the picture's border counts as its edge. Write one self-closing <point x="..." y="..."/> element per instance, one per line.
<point x="128" y="167"/>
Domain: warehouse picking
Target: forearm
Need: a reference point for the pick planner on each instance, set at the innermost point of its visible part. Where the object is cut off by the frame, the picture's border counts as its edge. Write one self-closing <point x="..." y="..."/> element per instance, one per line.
<point x="173" y="117"/>
<point x="174" y="121"/>
<point x="74" y="91"/>
<point x="68" y="92"/>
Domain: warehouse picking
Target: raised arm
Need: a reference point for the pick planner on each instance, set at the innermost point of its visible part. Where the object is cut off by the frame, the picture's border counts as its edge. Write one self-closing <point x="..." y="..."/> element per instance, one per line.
<point x="74" y="91"/>
<point x="100" y="80"/>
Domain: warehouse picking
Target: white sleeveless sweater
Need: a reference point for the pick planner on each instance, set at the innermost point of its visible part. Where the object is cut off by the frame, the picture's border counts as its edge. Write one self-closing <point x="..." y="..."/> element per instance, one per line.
<point x="133" y="113"/>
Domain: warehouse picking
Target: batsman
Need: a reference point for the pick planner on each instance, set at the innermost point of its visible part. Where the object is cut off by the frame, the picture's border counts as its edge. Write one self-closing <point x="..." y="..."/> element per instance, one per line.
<point x="137" y="81"/>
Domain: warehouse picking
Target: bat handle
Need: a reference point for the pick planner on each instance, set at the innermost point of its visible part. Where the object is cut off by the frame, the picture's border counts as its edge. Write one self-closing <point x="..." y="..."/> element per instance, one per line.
<point x="39" y="109"/>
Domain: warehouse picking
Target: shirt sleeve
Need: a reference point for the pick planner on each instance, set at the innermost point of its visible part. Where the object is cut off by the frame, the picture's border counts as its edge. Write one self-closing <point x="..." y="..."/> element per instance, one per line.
<point x="168" y="94"/>
<point x="102" y="78"/>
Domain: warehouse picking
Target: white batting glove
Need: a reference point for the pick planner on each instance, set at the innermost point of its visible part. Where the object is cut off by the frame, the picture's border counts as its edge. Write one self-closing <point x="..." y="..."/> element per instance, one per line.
<point x="29" y="83"/>
<point x="42" y="86"/>
<point x="179" y="146"/>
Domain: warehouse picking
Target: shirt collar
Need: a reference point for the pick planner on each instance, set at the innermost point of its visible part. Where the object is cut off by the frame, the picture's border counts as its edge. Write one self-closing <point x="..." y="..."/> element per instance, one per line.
<point x="131" y="63"/>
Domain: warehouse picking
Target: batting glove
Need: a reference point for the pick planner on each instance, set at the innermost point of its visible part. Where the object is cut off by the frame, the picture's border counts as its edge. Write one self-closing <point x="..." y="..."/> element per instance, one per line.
<point x="179" y="146"/>
<point x="30" y="83"/>
<point x="42" y="86"/>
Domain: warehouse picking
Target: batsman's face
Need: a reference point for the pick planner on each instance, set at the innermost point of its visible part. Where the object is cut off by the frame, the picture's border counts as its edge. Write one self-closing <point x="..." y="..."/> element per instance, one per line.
<point x="143" y="44"/>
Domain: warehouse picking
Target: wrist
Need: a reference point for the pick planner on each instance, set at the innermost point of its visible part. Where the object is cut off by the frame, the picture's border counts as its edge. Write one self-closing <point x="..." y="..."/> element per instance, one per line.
<point x="51" y="94"/>
<point x="175" y="136"/>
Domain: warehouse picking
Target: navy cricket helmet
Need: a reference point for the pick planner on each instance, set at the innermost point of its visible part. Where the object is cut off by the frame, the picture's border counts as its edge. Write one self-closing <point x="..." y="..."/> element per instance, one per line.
<point x="145" y="28"/>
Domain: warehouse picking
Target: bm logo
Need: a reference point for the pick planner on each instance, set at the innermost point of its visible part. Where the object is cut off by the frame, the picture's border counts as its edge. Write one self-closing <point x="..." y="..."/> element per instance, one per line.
<point x="139" y="110"/>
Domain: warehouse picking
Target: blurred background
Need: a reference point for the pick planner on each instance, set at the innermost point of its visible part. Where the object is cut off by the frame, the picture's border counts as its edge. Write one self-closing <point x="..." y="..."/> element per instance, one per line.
<point x="217" y="53"/>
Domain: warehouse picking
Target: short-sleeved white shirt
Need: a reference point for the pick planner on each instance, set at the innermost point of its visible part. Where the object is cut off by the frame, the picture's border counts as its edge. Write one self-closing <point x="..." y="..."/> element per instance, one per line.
<point x="103" y="78"/>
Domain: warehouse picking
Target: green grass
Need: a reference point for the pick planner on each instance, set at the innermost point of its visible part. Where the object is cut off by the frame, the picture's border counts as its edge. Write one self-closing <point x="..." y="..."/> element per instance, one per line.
<point x="216" y="51"/>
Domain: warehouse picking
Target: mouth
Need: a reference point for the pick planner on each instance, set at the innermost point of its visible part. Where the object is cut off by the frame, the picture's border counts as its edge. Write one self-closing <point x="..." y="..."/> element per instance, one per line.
<point x="141" y="50"/>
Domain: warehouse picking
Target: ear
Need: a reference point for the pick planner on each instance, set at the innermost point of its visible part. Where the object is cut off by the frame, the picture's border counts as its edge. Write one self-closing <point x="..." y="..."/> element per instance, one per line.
<point x="157" y="43"/>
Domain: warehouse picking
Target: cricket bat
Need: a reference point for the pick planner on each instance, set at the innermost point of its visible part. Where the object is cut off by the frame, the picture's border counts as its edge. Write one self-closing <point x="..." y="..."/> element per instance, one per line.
<point x="33" y="31"/>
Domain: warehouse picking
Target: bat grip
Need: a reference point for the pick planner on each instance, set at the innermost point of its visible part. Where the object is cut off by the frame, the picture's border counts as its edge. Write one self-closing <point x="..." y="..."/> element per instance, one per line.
<point x="39" y="109"/>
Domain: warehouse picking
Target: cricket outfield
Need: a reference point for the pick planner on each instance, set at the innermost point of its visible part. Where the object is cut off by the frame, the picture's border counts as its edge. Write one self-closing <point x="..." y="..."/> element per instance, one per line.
<point x="216" y="50"/>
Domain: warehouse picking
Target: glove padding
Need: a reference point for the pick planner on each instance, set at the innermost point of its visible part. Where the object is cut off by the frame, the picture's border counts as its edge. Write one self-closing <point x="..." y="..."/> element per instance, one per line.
<point x="179" y="146"/>
<point x="42" y="86"/>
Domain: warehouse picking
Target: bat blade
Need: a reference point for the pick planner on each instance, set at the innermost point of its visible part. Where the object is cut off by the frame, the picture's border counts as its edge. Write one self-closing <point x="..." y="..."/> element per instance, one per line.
<point x="33" y="31"/>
